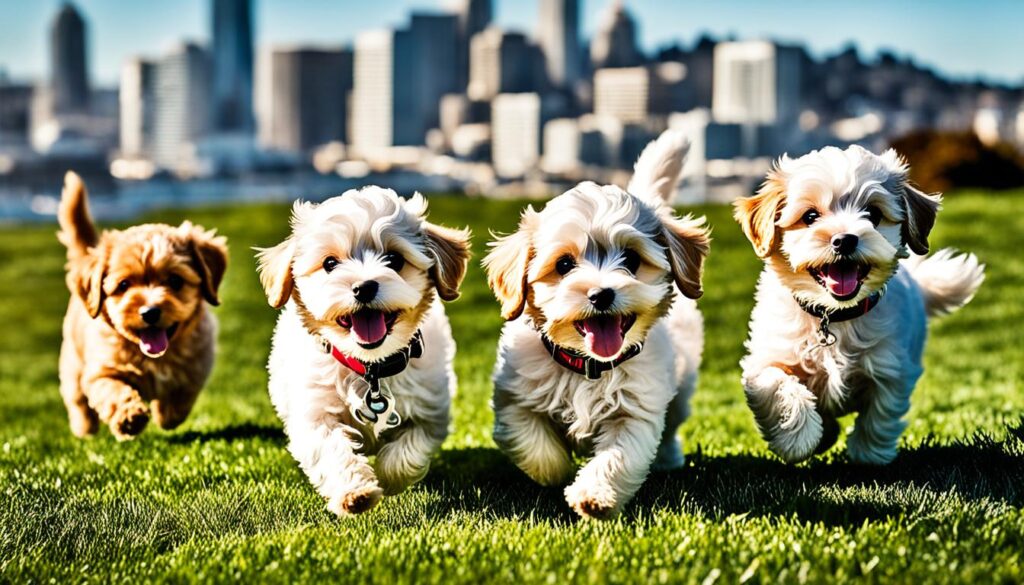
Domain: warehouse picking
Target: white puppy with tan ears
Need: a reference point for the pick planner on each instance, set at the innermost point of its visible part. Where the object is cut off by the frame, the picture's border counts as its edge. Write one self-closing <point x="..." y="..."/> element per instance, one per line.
<point x="840" y="320"/>
<point x="362" y="354"/>
<point x="600" y="353"/>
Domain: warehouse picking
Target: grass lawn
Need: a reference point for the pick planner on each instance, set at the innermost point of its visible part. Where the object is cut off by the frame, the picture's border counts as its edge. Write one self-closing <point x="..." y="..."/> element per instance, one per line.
<point x="221" y="499"/>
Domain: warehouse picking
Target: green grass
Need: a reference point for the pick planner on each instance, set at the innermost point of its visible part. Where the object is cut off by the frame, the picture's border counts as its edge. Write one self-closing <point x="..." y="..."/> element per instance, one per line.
<point x="220" y="499"/>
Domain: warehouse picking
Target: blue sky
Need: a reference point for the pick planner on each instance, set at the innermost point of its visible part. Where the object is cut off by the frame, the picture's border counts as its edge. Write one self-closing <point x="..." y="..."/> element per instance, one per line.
<point x="959" y="37"/>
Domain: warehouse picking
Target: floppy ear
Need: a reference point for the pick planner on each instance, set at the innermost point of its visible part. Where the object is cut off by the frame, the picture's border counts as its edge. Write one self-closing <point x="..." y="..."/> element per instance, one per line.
<point x="275" y="268"/>
<point x="210" y="255"/>
<point x="450" y="249"/>
<point x="758" y="213"/>
<point x="85" y="279"/>
<point x="687" y="243"/>
<point x="506" y="266"/>
<point x="921" y="210"/>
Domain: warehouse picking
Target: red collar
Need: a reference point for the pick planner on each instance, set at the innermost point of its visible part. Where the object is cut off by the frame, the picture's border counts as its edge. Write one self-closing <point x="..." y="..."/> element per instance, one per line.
<point x="584" y="364"/>
<point x="389" y="366"/>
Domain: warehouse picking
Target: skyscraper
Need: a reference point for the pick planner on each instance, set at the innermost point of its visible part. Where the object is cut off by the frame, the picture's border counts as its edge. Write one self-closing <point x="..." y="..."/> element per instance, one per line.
<point x="69" y="66"/>
<point x="500" y="62"/>
<point x="309" y="97"/>
<point x="614" y="43"/>
<point x="756" y="82"/>
<point x="474" y="17"/>
<point x="516" y="133"/>
<point x="400" y="77"/>
<point x="232" y="66"/>
<point x="182" y="104"/>
<point x="558" y="36"/>
<point x="138" y="107"/>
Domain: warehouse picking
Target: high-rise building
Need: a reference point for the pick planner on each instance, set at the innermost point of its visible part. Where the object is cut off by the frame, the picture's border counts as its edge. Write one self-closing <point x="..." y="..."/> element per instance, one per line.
<point x="69" y="67"/>
<point x="558" y="36"/>
<point x="435" y="70"/>
<point x="15" y="107"/>
<point x="614" y="44"/>
<point x="232" y="52"/>
<point x="474" y="16"/>
<point x="182" y="104"/>
<point x="309" y="97"/>
<point x="500" y="62"/>
<point x="515" y="133"/>
<point x="756" y="82"/>
<point x="400" y="77"/>
<point x="137" y="108"/>
<point x="634" y="94"/>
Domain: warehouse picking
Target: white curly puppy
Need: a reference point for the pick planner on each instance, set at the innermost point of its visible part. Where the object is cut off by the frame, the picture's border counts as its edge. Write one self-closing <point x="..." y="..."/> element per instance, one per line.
<point x="840" y="319"/>
<point x="362" y="354"/>
<point x="599" y="354"/>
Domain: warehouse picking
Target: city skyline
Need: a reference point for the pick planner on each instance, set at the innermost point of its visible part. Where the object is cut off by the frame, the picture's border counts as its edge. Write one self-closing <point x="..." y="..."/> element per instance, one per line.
<point x="958" y="40"/>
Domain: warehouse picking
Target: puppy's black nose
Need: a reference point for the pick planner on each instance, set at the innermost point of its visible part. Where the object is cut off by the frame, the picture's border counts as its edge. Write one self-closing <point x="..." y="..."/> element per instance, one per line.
<point x="601" y="298"/>
<point x="365" y="291"/>
<point x="844" y="244"/>
<point x="150" y="315"/>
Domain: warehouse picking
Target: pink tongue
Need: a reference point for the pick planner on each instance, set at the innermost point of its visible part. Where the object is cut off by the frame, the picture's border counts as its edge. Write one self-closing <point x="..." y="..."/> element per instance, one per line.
<point x="153" y="341"/>
<point x="841" y="278"/>
<point x="603" y="335"/>
<point x="369" y="326"/>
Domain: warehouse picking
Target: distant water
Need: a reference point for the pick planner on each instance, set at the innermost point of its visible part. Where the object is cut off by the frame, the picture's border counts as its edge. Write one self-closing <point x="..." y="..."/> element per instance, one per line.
<point x="133" y="199"/>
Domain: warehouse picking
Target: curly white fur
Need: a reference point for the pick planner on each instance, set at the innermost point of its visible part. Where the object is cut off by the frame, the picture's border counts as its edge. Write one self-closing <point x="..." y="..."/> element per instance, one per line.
<point x="311" y="391"/>
<point x="626" y="421"/>
<point x="797" y="387"/>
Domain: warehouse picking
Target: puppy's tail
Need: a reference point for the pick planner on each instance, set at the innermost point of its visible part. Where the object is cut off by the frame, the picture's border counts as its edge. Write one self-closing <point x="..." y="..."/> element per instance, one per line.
<point x="947" y="279"/>
<point x="77" y="231"/>
<point x="660" y="166"/>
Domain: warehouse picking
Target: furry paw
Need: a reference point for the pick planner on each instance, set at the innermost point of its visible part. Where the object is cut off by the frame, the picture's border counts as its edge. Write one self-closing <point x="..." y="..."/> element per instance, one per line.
<point x="396" y="470"/>
<point x="596" y="501"/>
<point x="786" y="414"/>
<point x="670" y="456"/>
<point x="864" y="453"/>
<point x="129" y="420"/>
<point x="356" y="501"/>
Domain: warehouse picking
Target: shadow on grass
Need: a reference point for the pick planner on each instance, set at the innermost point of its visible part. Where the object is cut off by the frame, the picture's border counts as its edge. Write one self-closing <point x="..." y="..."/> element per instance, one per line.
<point x="835" y="492"/>
<point x="231" y="433"/>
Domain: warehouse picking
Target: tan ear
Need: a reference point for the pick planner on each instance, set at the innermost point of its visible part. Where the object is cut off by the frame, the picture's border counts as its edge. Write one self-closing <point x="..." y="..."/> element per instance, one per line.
<point x="506" y="266"/>
<point x="275" y="268"/>
<point x="85" y="279"/>
<point x="210" y="255"/>
<point x="921" y="210"/>
<point x="757" y="214"/>
<point x="450" y="249"/>
<point x="687" y="241"/>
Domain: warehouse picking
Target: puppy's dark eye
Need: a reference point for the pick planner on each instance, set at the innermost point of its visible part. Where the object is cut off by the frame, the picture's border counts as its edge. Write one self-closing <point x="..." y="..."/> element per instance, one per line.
<point x="122" y="287"/>
<point x="874" y="214"/>
<point x="330" y="263"/>
<point x="175" y="282"/>
<point x="810" y="216"/>
<point x="630" y="260"/>
<point x="394" y="261"/>
<point x="565" y="264"/>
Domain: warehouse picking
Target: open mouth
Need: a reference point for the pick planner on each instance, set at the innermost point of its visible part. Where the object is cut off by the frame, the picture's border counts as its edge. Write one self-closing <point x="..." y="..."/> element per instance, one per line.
<point x="369" y="326"/>
<point x="604" y="334"/>
<point x="841" y="279"/>
<point x="154" y="341"/>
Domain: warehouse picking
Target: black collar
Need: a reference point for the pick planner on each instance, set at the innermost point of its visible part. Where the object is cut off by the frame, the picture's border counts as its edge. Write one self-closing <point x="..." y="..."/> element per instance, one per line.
<point x="860" y="309"/>
<point x="583" y="364"/>
<point x="825" y="335"/>
<point x="391" y="365"/>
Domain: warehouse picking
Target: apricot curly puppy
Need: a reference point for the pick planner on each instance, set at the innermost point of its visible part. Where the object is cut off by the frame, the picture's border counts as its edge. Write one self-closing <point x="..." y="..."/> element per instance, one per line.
<point x="138" y="340"/>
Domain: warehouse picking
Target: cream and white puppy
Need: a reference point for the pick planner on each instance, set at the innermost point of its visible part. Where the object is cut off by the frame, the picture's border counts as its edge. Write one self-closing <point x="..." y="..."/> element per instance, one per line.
<point x="840" y="320"/>
<point x="359" y="279"/>
<point x="600" y="353"/>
